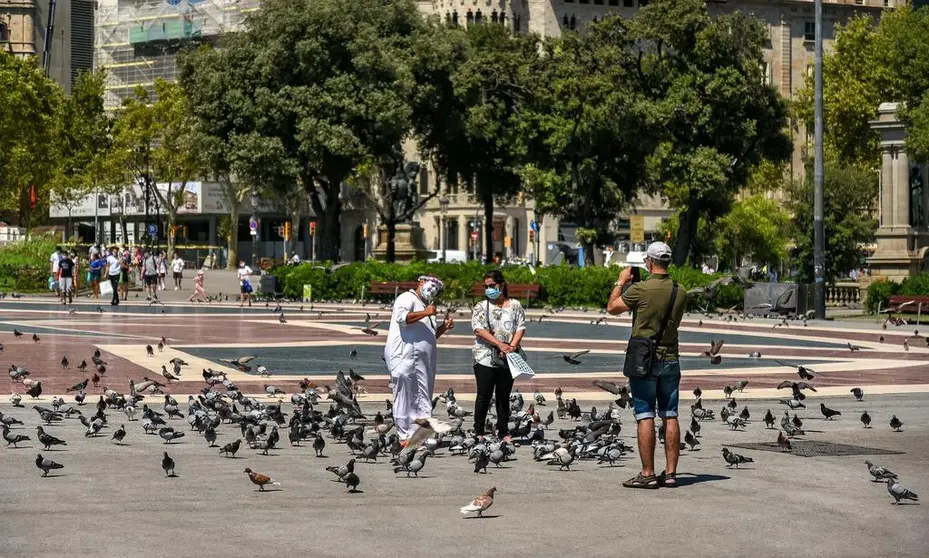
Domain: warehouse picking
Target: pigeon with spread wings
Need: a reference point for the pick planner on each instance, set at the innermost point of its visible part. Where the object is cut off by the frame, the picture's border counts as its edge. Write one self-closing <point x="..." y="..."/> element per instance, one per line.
<point x="241" y="362"/>
<point x="573" y="357"/>
<point x="713" y="353"/>
<point x="371" y="329"/>
<point x="802" y="371"/>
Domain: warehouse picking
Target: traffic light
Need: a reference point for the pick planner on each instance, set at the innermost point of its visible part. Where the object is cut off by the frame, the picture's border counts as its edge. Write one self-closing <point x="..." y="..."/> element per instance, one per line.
<point x="312" y="228"/>
<point x="364" y="230"/>
<point x="286" y="230"/>
<point x="531" y="235"/>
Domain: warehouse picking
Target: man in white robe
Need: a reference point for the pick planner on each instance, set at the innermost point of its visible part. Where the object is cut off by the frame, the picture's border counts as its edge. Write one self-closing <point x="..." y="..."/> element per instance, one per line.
<point x="410" y="353"/>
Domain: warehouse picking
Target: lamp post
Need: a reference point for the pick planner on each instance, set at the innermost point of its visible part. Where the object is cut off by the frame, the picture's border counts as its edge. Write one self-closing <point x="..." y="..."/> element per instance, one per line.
<point x="255" y="219"/>
<point x="443" y="234"/>
<point x="819" y="234"/>
<point x="475" y="235"/>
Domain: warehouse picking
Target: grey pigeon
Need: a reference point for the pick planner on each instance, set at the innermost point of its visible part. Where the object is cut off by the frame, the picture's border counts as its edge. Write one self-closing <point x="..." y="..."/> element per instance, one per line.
<point x="351" y="481"/>
<point x="231" y="448"/>
<point x="210" y="436"/>
<point x="879" y="473"/>
<point x="858" y="393"/>
<point x="318" y="445"/>
<point x="896" y="423"/>
<point x="827" y="412"/>
<point x="735" y="459"/>
<point x="866" y="419"/>
<point x="900" y="492"/>
<point x="168" y="465"/>
<point x="47" y="440"/>
<point x="46" y="464"/>
<point x="414" y="466"/>
<point x="12" y="439"/>
<point x="119" y="435"/>
<point x="168" y="434"/>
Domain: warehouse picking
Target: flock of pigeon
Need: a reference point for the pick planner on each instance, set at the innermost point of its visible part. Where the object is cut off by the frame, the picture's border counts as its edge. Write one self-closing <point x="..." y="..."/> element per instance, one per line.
<point x="322" y="415"/>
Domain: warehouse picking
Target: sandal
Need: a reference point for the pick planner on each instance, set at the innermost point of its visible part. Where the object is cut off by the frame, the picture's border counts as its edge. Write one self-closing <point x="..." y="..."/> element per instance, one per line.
<point x="641" y="481"/>
<point x="668" y="480"/>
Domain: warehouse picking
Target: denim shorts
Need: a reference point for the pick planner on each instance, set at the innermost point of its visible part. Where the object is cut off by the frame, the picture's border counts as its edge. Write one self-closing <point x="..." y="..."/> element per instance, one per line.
<point x="660" y="389"/>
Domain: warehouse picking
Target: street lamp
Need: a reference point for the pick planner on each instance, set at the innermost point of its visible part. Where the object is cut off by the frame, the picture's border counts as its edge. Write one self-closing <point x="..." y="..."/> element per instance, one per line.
<point x="255" y="219"/>
<point x="443" y="234"/>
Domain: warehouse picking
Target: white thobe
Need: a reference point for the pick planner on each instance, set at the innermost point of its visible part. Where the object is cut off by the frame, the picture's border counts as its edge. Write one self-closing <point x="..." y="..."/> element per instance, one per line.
<point x="410" y="355"/>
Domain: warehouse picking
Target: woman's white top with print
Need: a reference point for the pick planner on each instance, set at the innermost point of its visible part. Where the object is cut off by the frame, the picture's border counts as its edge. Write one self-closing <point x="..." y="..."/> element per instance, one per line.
<point x="504" y="322"/>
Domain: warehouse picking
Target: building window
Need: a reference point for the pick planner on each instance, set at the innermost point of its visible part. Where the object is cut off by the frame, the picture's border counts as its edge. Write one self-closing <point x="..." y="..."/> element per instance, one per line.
<point x="643" y="3"/>
<point x="859" y="2"/>
<point x="573" y="24"/>
<point x="478" y="17"/>
<point x="766" y="73"/>
<point x="493" y="16"/>
<point x="629" y="3"/>
<point x="503" y="18"/>
<point x="568" y="1"/>
<point x="809" y="31"/>
<point x="469" y="17"/>
<point x="423" y="180"/>
<point x="886" y="3"/>
<point x="598" y="2"/>
<point x="455" y="18"/>
<point x="613" y="2"/>
<point x="565" y="22"/>
<point x="4" y="33"/>
<point x="583" y="1"/>
<point x="517" y="23"/>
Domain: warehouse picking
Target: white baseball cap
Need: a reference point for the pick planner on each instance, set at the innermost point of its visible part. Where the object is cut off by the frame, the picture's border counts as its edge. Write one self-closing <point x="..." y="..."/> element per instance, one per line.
<point x="658" y="251"/>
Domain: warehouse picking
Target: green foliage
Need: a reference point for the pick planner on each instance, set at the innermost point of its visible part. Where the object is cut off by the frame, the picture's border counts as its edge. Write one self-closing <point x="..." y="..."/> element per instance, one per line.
<point x="756" y="226"/>
<point x="559" y="285"/>
<point x="849" y="196"/>
<point x="701" y="245"/>
<point x="591" y="130"/>
<point x="703" y="77"/>
<point x="869" y="65"/>
<point x="307" y="92"/>
<point x="30" y="123"/>
<point x="24" y="264"/>
<point x="879" y="294"/>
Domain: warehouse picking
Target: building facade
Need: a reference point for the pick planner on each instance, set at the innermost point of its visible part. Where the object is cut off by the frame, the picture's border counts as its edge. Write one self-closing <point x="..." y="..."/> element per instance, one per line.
<point x="136" y="41"/>
<point x="24" y="28"/>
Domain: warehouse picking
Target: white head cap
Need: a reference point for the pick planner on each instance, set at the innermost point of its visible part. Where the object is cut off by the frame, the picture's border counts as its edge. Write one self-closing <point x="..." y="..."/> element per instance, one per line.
<point x="659" y="252"/>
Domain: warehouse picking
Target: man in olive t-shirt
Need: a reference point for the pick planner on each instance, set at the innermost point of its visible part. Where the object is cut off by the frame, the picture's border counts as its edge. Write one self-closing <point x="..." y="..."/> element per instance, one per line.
<point x="649" y="300"/>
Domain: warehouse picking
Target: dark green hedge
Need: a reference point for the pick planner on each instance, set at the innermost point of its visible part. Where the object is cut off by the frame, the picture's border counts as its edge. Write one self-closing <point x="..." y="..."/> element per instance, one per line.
<point x="24" y="264"/>
<point x="560" y="285"/>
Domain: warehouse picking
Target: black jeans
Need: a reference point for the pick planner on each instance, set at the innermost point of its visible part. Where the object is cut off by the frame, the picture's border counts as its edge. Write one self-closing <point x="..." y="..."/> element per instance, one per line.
<point x="489" y="381"/>
<point x="114" y="280"/>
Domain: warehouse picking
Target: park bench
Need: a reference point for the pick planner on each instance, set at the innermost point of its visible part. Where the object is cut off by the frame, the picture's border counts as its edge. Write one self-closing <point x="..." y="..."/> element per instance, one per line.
<point x="519" y="291"/>
<point x="908" y="303"/>
<point x="391" y="287"/>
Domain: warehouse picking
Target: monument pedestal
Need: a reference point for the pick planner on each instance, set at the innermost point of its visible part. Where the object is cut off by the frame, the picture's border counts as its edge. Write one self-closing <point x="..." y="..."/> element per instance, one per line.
<point x="408" y="243"/>
<point x="901" y="252"/>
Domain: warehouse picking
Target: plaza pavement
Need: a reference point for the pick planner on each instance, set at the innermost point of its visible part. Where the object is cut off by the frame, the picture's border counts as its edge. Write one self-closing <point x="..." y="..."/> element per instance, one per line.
<point x="115" y="501"/>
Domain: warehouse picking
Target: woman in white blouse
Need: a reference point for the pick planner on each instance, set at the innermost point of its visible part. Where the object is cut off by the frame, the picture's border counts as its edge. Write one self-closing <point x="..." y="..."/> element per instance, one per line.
<point x="499" y="324"/>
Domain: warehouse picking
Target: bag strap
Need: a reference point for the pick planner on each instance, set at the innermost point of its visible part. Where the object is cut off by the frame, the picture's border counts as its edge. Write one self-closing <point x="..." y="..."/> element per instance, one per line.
<point x="490" y="326"/>
<point x="667" y="315"/>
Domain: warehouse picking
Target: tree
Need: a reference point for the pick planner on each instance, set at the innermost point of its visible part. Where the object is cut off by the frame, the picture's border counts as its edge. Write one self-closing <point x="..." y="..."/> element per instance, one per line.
<point x="474" y="127"/>
<point x="218" y="105"/>
<point x="320" y="86"/>
<point x="155" y="141"/>
<point x="869" y="65"/>
<point x="592" y="131"/>
<point x="30" y="122"/>
<point x="756" y="226"/>
<point x="849" y="197"/>
<point x="703" y="77"/>
<point x="84" y="144"/>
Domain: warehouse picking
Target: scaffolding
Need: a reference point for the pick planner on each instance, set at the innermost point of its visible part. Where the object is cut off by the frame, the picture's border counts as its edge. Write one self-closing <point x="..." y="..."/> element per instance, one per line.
<point x="137" y="41"/>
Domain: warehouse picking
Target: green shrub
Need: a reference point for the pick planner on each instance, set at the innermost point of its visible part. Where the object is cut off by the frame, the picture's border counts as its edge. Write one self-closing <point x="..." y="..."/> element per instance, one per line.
<point x="24" y="264"/>
<point x="879" y="293"/>
<point x="559" y="285"/>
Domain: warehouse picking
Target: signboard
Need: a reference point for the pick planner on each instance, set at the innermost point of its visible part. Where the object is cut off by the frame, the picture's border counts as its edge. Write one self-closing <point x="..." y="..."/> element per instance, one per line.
<point x="152" y="229"/>
<point x="473" y="235"/>
<point x="508" y="241"/>
<point x="637" y="228"/>
<point x="533" y="226"/>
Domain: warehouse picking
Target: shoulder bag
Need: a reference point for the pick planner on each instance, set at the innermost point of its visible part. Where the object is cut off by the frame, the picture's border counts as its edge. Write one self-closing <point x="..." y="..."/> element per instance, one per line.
<point x="640" y="352"/>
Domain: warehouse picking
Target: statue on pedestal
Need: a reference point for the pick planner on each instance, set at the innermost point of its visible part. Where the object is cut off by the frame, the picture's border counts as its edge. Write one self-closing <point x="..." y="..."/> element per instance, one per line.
<point x="403" y="190"/>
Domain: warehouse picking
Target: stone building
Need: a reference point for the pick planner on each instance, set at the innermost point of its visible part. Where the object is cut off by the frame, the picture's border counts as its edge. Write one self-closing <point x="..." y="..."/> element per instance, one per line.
<point x="24" y="25"/>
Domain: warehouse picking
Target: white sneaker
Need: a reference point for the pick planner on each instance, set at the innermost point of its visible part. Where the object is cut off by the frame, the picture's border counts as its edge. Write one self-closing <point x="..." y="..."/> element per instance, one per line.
<point x="176" y="289"/>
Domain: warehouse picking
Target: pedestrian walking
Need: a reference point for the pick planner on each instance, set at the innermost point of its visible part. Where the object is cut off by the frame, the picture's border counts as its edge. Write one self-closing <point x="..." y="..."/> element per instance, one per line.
<point x="114" y="270"/>
<point x="66" y="278"/>
<point x="97" y="263"/>
<point x="177" y="269"/>
<point x="652" y="359"/>
<point x="162" y="270"/>
<point x="499" y="324"/>
<point x="150" y="275"/>
<point x="199" y="291"/>
<point x="410" y="352"/>
<point x="245" y="284"/>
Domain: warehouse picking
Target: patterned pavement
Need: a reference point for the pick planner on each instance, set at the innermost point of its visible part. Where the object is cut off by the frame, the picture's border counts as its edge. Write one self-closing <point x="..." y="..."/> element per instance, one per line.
<point x="317" y="341"/>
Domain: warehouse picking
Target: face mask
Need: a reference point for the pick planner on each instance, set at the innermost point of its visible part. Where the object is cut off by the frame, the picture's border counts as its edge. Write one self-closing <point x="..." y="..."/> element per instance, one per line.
<point x="493" y="293"/>
<point x="428" y="292"/>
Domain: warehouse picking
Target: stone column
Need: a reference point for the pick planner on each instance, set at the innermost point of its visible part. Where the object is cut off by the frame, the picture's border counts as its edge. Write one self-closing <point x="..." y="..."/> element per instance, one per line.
<point x="463" y="234"/>
<point x="887" y="190"/>
<point x="902" y="189"/>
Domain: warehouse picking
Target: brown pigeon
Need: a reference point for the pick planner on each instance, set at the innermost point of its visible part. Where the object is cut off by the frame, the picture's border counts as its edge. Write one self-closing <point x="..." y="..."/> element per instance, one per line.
<point x="480" y="503"/>
<point x="260" y="480"/>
